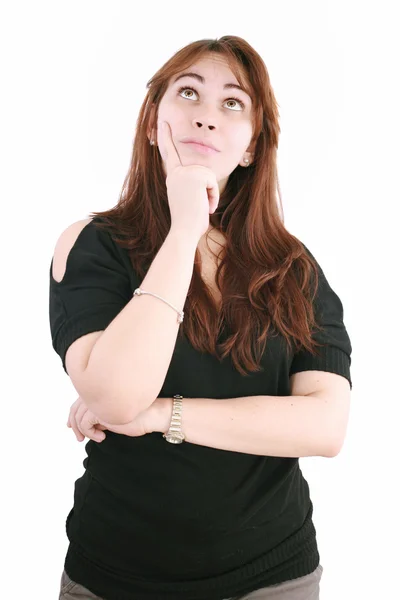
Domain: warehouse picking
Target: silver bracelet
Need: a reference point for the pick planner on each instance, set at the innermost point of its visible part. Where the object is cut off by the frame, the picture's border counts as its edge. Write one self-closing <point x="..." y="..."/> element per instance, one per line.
<point x="140" y="292"/>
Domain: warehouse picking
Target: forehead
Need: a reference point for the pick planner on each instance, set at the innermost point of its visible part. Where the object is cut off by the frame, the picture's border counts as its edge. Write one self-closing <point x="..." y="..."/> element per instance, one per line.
<point x="214" y="68"/>
<point x="214" y="65"/>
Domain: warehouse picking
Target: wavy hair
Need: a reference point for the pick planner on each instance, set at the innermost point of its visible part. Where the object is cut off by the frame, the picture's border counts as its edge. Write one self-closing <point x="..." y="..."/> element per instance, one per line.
<point x="265" y="274"/>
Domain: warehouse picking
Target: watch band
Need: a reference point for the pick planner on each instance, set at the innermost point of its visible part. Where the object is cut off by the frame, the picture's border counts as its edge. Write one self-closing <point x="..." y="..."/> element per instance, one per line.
<point x="174" y="435"/>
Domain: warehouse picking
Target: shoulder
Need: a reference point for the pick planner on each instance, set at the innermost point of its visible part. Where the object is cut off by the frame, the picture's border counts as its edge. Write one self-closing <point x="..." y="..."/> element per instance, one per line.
<point x="72" y="232"/>
<point x="64" y="244"/>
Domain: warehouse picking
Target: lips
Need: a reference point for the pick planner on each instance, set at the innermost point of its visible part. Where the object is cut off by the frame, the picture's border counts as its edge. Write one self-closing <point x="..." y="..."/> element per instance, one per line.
<point x="200" y="142"/>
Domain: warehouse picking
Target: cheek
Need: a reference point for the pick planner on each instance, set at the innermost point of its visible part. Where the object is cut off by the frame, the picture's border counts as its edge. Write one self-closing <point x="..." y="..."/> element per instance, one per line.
<point x="177" y="125"/>
<point x="241" y="137"/>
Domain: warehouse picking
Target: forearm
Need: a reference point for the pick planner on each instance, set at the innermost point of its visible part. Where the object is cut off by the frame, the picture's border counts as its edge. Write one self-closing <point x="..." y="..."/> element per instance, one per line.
<point x="129" y="362"/>
<point x="284" y="426"/>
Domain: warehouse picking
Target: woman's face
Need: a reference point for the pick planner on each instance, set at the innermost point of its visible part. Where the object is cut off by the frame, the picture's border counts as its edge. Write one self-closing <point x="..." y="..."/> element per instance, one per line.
<point x="203" y="108"/>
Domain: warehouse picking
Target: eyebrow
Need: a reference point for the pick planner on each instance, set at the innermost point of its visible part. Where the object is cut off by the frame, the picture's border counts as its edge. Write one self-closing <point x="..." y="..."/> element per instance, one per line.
<point x="227" y="86"/>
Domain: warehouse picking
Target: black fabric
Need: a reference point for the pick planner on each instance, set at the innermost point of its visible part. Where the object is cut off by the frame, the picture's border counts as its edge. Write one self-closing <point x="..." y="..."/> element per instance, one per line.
<point x="95" y="288"/>
<point x="157" y="521"/>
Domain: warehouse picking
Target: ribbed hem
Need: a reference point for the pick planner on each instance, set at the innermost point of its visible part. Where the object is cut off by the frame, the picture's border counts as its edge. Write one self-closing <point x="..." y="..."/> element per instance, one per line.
<point x="329" y="358"/>
<point x="83" y="324"/>
<point x="296" y="557"/>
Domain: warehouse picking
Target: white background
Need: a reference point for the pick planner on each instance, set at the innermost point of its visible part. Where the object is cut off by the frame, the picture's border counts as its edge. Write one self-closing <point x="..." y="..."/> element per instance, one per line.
<point x="73" y="77"/>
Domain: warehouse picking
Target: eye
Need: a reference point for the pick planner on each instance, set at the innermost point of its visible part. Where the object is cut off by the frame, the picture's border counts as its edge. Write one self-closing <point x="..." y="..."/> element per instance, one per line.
<point x="238" y="101"/>
<point x="187" y="89"/>
<point x="232" y="99"/>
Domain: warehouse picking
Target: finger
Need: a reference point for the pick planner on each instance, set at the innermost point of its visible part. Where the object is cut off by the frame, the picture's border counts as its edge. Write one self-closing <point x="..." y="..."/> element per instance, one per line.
<point x="82" y="408"/>
<point x="82" y="421"/>
<point x="88" y="425"/>
<point x="213" y="194"/>
<point x="73" y="409"/>
<point x="172" y="159"/>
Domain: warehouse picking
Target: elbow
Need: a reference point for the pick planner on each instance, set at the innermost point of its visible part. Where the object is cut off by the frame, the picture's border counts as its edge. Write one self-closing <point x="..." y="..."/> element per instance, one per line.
<point x="107" y="410"/>
<point x="333" y="448"/>
<point x="100" y="397"/>
<point x="112" y="399"/>
<point x="335" y="428"/>
<point x="117" y="407"/>
<point x="108" y="404"/>
<point x="111" y="417"/>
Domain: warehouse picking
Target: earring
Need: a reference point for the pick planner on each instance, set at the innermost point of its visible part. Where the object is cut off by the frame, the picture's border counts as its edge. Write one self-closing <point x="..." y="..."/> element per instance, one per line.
<point x="246" y="160"/>
<point x="151" y="142"/>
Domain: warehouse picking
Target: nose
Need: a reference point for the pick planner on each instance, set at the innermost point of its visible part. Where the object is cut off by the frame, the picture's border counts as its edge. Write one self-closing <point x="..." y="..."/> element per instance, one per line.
<point x="203" y="123"/>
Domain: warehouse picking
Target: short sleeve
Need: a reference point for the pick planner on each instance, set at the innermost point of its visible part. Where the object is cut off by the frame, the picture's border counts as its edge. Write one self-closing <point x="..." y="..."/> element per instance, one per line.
<point x="335" y="354"/>
<point x="95" y="288"/>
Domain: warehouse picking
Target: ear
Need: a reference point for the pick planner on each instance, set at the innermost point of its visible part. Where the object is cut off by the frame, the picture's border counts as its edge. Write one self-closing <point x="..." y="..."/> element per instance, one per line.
<point x="152" y="131"/>
<point x="249" y="154"/>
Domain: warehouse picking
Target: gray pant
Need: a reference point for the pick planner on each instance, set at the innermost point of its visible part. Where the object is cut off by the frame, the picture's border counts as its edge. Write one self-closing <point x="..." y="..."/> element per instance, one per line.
<point x="302" y="588"/>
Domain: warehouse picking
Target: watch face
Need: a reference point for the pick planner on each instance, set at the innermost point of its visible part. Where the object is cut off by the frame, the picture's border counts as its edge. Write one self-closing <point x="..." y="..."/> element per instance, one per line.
<point x="173" y="440"/>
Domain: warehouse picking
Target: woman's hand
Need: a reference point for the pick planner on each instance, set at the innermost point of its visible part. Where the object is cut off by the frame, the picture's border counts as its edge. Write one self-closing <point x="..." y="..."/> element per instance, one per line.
<point x="193" y="190"/>
<point x="85" y="423"/>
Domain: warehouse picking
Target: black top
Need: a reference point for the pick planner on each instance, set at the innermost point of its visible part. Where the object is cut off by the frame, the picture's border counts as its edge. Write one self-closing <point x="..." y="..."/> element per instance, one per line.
<point x="158" y="521"/>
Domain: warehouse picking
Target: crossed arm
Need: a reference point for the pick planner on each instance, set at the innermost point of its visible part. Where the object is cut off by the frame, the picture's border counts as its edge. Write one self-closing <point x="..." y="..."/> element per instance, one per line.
<point x="306" y="423"/>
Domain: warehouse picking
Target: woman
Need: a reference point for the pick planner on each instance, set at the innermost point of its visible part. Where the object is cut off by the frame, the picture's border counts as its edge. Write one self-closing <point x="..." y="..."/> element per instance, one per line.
<point x="189" y="310"/>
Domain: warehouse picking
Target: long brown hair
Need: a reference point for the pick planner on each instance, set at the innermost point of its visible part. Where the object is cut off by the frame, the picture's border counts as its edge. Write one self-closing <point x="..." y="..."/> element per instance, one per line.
<point x="265" y="272"/>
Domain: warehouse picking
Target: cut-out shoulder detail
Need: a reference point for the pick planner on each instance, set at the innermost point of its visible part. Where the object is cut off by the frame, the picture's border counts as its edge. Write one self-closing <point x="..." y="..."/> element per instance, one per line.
<point x="63" y="247"/>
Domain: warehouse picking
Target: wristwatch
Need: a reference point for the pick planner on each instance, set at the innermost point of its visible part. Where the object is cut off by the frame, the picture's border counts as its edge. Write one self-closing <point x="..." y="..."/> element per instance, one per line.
<point x="174" y="435"/>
